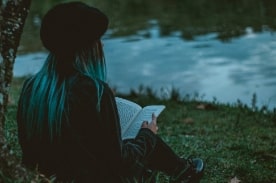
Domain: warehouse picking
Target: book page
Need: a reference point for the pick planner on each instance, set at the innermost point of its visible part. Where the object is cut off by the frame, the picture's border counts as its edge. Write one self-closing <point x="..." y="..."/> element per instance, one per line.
<point x="144" y="115"/>
<point x="127" y="111"/>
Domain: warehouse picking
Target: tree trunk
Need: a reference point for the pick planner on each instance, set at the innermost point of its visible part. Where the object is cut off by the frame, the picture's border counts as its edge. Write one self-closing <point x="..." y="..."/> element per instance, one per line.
<point x="12" y="18"/>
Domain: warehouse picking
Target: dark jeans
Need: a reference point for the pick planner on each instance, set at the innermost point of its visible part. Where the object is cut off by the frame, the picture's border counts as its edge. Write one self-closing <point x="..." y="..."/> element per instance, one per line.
<point x="163" y="158"/>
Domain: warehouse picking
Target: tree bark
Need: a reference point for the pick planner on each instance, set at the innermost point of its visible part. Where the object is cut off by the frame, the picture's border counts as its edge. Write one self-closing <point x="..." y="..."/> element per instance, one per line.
<point x="12" y="18"/>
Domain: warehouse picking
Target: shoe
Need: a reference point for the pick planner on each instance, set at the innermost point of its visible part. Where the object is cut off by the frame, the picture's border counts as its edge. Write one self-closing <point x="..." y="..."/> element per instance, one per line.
<point x="191" y="172"/>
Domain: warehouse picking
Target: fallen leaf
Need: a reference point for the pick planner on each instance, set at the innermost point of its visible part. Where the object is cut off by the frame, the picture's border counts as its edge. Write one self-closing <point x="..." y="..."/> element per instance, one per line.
<point x="203" y="106"/>
<point x="235" y="180"/>
<point x="188" y="120"/>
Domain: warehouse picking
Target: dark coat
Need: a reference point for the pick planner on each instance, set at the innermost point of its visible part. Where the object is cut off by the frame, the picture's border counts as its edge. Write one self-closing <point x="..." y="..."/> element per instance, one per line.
<point x="89" y="148"/>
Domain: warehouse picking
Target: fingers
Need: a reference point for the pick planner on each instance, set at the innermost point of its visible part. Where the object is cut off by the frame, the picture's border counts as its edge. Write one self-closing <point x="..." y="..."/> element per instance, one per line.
<point x="152" y="125"/>
<point x="154" y="118"/>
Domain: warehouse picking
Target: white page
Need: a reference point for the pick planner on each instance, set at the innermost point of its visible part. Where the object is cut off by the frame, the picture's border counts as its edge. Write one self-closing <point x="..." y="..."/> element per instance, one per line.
<point x="127" y="111"/>
<point x="144" y="115"/>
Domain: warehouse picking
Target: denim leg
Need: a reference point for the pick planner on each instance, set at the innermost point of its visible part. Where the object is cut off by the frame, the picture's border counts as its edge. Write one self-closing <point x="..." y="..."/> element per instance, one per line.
<point x="163" y="158"/>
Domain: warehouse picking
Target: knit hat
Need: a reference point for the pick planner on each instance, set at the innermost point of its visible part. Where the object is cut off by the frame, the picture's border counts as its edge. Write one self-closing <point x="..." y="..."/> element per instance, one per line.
<point x="68" y="27"/>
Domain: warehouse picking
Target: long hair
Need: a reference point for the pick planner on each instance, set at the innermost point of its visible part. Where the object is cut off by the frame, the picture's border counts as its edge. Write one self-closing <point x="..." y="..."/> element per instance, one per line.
<point x="47" y="90"/>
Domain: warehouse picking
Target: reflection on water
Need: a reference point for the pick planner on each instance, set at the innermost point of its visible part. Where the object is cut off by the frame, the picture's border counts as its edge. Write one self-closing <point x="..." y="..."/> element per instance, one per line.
<point x="220" y="48"/>
<point x="226" y="71"/>
<point x="229" y="19"/>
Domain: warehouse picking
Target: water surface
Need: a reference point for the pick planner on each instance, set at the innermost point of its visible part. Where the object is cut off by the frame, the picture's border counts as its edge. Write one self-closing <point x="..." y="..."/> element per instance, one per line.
<point x="223" y="50"/>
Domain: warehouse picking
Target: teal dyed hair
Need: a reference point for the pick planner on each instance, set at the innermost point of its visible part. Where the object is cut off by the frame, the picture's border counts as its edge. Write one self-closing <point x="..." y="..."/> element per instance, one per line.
<point x="47" y="90"/>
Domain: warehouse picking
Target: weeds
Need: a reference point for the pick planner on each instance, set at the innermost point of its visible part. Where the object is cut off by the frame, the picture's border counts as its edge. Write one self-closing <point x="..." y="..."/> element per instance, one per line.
<point x="235" y="141"/>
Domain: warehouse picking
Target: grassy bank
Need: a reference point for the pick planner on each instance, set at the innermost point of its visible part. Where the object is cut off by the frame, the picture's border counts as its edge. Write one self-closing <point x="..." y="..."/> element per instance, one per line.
<point x="235" y="141"/>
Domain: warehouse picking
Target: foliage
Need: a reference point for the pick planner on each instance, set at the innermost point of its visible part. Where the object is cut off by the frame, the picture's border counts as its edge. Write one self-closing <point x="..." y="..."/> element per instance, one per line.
<point x="230" y="19"/>
<point x="237" y="142"/>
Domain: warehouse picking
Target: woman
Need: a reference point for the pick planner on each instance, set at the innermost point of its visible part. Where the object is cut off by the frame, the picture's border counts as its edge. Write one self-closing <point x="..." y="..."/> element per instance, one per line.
<point x="68" y="122"/>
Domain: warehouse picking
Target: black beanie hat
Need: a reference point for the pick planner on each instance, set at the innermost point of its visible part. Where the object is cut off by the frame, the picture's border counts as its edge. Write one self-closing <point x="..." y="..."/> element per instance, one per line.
<point x="68" y="27"/>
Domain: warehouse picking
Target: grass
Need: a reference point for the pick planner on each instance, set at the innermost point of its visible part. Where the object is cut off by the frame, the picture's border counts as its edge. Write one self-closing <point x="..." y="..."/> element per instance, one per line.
<point x="234" y="140"/>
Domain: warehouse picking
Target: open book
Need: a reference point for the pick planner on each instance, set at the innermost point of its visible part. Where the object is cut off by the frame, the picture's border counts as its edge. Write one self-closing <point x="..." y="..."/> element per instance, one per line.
<point x="132" y="116"/>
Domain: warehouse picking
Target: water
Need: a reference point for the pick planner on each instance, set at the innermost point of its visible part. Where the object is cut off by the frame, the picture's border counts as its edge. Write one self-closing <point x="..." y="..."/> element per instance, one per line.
<point x="213" y="69"/>
<point x="216" y="49"/>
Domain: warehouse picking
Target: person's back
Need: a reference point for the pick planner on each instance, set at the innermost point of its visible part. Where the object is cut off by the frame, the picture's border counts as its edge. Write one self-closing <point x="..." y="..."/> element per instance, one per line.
<point x="66" y="155"/>
<point x="68" y="122"/>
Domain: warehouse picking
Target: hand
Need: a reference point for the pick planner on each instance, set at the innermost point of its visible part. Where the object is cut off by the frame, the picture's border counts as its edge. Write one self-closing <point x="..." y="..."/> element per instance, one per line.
<point x="152" y="125"/>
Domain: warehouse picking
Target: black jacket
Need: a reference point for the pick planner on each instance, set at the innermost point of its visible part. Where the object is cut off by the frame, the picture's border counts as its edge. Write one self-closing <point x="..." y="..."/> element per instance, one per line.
<point x="89" y="148"/>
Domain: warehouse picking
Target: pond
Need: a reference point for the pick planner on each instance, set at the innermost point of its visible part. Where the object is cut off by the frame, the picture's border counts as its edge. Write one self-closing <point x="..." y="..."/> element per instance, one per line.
<point x="216" y="50"/>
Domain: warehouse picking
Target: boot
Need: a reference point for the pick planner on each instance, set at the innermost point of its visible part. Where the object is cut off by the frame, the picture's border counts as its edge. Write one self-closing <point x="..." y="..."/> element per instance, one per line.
<point x="190" y="172"/>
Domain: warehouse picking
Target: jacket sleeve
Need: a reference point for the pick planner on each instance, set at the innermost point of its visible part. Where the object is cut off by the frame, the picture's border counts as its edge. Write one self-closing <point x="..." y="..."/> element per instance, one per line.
<point x="129" y="154"/>
<point x="100" y="132"/>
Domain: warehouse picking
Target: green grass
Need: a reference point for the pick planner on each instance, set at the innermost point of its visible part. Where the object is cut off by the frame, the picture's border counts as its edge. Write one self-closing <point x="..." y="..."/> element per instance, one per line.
<point x="234" y="140"/>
